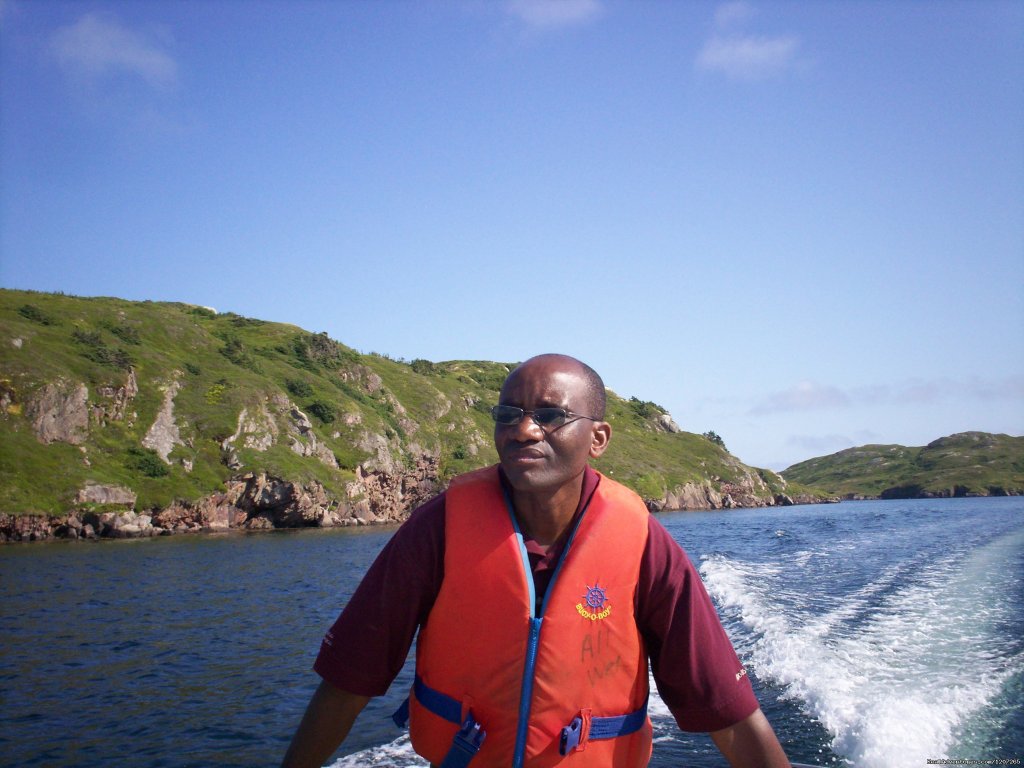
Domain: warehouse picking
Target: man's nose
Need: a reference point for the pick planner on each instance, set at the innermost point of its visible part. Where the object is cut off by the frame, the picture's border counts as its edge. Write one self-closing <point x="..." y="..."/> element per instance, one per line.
<point x="527" y="429"/>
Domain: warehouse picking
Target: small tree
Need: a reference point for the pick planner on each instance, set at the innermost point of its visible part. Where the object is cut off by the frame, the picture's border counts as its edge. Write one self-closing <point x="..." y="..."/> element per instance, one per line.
<point x="715" y="438"/>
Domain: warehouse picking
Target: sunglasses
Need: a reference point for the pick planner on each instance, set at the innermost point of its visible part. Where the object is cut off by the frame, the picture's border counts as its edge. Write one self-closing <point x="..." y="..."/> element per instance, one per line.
<point x="509" y="415"/>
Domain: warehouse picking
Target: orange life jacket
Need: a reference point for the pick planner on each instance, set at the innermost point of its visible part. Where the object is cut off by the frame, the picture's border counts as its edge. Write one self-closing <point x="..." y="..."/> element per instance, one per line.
<point x="566" y="687"/>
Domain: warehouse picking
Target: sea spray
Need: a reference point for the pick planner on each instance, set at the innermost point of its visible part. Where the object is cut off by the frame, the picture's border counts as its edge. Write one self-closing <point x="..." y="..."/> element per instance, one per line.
<point x="394" y="754"/>
<point x="895" y="670"/>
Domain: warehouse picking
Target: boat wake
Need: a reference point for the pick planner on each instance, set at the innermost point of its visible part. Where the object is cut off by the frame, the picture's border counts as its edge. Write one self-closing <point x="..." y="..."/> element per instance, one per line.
<point x="896" y="670"/>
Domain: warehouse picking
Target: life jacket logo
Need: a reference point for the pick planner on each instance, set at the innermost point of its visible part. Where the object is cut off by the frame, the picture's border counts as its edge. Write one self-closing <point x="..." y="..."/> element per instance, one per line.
<point x="595" y="608"/>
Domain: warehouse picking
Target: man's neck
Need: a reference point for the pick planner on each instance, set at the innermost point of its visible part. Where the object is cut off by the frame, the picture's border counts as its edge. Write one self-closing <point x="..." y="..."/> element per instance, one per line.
<point x="544" y="517"/>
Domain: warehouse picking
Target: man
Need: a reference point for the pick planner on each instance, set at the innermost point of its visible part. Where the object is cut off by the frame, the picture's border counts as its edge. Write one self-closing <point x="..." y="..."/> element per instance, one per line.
<point x="540" y="589"/>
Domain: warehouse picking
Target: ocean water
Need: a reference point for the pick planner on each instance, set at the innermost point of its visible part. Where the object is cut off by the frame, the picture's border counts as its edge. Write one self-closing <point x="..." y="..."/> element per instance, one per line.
<point x="877" y="635"/>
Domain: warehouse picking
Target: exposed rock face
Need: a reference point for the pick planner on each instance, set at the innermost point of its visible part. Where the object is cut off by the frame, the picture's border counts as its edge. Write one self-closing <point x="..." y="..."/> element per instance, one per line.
<point x="386" y="490"/>
<point x="115" y="401"/>
<point x="164" y="434"/>
<point x="9" y="404"/>
<point x="362" y="377"/>
<point x="665" y="423"/>
<point x="257" y="431"/>
<point x="269" y="502"/>
<point x="388" y="493"/>
<point x="302" y="439"/>
<point x="749" y="491"/>
<point x="112" y="525"/>
<point x="60" y="413"/>
<point x="87" y="525"/>
<point x="26" y="527"/>
<point x="215" y="513"/>
<point x="688" y="496"/>
<point x="106" y="494"/>
<point x="444" y="405"/>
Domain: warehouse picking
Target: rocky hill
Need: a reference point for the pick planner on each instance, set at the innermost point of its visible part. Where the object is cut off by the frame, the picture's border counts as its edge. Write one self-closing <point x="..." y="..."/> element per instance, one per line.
<point x="965" y="464"/>
<point x="133" y="418"/>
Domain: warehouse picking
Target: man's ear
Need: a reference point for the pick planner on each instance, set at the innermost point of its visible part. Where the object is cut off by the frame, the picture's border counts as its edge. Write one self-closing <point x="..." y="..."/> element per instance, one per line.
<point x="601" y="435"/>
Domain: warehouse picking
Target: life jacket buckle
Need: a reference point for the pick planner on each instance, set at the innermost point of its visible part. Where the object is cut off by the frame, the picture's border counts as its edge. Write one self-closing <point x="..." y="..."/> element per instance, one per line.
<point x="574" y="734"/>
<point x="571" y="735"/>
<point x="466" y="744"/>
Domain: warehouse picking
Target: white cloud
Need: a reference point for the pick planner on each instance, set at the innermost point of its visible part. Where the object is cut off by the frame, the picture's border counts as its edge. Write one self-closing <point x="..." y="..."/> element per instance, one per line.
<point x="552" y="14"/>
<point x="733" y="14"/>
<point x="746" y="57"/>
<point x="821" y="445"/>
<point x="804" y="396"/>
<point x="95" y="47"/>
<point x="742" y="55"/>
<point x="930" y="391"/>
<point x="809" y="395"/>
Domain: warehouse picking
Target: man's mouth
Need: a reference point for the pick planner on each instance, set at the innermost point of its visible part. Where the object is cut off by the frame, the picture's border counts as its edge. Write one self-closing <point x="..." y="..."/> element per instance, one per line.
<point x="524" y="456"/>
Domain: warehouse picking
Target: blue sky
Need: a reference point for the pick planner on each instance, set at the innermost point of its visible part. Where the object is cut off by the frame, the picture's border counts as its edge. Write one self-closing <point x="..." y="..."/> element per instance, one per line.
<point x="800" y="225"/>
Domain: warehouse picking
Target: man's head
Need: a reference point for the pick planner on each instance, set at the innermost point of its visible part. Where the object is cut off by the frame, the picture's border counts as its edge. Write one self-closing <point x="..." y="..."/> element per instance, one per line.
<point x="546" y="458"/>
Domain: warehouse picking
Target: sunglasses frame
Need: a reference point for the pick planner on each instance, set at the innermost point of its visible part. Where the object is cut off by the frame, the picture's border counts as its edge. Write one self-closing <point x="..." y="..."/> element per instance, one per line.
<point x="564" y="416"/>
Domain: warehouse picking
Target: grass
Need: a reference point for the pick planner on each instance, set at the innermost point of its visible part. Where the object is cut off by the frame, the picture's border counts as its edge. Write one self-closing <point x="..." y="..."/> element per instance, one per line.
<point x="966" y="463"/>
<point x="223" y="363"/>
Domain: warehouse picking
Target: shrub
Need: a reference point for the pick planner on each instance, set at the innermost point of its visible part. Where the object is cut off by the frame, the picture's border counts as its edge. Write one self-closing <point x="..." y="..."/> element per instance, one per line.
<point x="423" y="367"/>
<point x="35" y="314"/>
<point x="298" y="387"/>
<point x="645" y="408"/>
<point x="715" y="438"/>
<point x="236" y="352"/>
<point x="87" y="338"/>
<point x="215" y="393"/>
<point x="146" y="461"/>
<point x="126" y="333"/>
<point x="98" y="352"/>
<point x="323" y="411"/>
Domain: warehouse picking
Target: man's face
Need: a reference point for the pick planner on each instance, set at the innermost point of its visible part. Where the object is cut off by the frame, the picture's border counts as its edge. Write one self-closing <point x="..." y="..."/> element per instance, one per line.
<point x="546" y="459"/>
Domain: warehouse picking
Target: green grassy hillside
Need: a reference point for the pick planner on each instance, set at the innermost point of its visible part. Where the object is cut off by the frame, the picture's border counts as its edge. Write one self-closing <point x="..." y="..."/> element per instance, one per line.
<point x="966" y="464"/>
<point x="172" y="400"/>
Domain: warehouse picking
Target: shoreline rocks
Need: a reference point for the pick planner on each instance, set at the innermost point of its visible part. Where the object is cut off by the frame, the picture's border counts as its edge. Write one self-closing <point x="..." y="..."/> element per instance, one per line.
<point x="261" y="502"/>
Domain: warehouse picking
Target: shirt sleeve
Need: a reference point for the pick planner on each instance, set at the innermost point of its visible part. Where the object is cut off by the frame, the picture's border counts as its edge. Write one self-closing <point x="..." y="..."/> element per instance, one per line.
<point x="695" y="667"/>
<point x="368" y="644"/>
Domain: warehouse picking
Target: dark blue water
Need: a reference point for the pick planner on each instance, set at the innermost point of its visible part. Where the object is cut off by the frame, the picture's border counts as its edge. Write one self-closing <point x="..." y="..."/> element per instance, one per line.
<point x="877" y="634"/>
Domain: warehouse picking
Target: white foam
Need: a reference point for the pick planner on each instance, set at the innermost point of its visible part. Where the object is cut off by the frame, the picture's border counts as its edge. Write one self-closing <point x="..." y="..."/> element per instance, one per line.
<point x="396" y="754"/>
<point x="894" y="686"/>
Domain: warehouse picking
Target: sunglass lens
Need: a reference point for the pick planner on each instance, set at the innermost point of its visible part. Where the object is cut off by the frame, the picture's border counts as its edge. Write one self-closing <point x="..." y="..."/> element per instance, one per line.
<point x="549" y="416"/>
<point x="506" y="414"/>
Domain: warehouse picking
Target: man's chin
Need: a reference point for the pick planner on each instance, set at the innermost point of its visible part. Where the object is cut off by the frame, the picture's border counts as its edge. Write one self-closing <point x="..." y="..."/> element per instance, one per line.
<point x="524" y="477"/>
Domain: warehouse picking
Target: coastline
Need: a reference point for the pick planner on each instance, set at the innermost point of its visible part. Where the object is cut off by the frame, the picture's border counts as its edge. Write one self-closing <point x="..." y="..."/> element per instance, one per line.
<point x="258" y="502"/>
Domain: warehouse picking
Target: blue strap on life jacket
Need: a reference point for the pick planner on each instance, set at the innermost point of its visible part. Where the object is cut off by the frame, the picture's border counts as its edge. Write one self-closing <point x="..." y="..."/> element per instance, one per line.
<point x="601" y="728"/>
<point x="468" y="739"/>
<point x="465" y="745"/>
<point x="401" y="715"/>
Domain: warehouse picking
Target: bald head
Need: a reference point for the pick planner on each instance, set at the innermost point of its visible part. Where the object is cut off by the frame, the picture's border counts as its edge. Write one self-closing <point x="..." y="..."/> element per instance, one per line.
<point x="594" y="393"/>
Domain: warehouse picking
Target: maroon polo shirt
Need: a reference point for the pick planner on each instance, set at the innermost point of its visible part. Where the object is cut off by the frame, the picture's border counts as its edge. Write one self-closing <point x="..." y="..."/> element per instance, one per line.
<point x="693" y="662"/>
